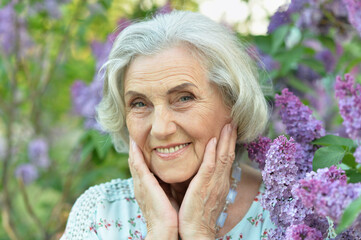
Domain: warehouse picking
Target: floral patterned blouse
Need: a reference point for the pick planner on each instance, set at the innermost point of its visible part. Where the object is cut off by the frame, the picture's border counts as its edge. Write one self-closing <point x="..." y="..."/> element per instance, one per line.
<point x="110" y="211"/>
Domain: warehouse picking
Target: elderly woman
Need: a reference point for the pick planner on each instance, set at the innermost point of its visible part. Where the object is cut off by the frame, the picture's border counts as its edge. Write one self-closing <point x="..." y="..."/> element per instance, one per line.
<point x="184" y="94"/>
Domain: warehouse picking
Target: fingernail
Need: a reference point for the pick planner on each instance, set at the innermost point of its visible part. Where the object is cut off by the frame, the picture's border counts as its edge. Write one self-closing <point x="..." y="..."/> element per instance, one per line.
<point x="230" y="127"/>
<point x="133" y="144"/>
<point x="233" y="125"/>
<point x="214" y="140"/>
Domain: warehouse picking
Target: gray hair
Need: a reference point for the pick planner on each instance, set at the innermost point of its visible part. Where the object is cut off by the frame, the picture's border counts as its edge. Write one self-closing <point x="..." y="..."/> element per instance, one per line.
<point x="225" y="59"/>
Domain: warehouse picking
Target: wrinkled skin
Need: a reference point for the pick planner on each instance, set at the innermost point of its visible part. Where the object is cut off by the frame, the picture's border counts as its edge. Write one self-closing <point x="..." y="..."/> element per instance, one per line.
<point x="169" y="102"/>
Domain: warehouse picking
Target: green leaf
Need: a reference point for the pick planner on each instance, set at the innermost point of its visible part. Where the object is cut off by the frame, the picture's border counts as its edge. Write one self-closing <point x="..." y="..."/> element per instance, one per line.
<point x="349" y="215"/>
<point x="327" y="156"/>
<point x="87" y="149"/>
<point x="330" y="140"/>
<point x="101" y="142"/>
<point x="299" y="85"/>
<point x="3" y="3"/>
<point x="315" y="64"/>
<point x="349" y="160"/>
<point x="289" y="59"/>
<point x="263" y="43"/>
<point x="278" y="37"/>
<point x="19" y="7"/>
<point x="353" y="175"/>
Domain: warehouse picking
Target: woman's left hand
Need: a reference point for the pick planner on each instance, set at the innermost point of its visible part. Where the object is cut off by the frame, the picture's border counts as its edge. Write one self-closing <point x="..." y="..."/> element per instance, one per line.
<point x="206" y="194"/>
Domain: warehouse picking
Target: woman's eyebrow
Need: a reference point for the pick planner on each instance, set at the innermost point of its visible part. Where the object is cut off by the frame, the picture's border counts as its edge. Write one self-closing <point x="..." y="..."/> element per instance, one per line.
<point x="181" y="87"/>
<point x="132" y="93"/>
<point x="170" y="91"/>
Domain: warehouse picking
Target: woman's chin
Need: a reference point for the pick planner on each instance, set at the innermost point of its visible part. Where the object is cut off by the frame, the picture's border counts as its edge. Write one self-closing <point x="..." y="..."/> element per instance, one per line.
<point x="175" y="178"/>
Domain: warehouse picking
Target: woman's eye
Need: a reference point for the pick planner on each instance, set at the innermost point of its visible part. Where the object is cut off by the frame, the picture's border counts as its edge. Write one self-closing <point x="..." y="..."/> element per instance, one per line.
<point x="186" y="98"/>
<point x="138" y="104"/>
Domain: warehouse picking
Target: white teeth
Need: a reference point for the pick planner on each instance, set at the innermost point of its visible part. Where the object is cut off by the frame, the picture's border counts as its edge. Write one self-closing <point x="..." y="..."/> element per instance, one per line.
<point x="171" y="149"/>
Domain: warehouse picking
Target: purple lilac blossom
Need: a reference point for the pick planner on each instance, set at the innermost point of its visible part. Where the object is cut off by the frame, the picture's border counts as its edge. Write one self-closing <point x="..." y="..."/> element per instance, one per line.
<point x="328" y="60"/>
<point x="50" y="7"/>
<point x="349" y="101"/>
<point x="327" y="192"/>
<point x="86" y="97"/>
<point x="38" y="152"/>
<point x="27" y="172"/>
<point x="281" y="17"/>
<point x="306" y="73"/>
<point x="354" y="13"/>
<point x="167" y="8"/>
<point x="277" y="234"/>
<point x="304" y="157"/>
<point x="338" y="8"/>
<point x="7" y="33"/>
<point x="264" y="60"/>
<point x="121" y="25"/>
<point x="303" y="232"/>
<point x="321" y="101"/>
<point x="300" y="124"/>
<point x="268" y="62"/>
<point x="279" y="175"/>
<point x="258" y="149"/>
<point x="357" y="154"/>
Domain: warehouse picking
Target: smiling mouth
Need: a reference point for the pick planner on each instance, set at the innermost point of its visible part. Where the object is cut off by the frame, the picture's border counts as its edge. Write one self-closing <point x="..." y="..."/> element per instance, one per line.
<point x="172" y="149"/>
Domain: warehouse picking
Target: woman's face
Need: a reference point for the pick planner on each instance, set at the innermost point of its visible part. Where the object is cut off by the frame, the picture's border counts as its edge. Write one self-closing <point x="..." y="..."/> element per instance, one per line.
<point x="172" y="111"/>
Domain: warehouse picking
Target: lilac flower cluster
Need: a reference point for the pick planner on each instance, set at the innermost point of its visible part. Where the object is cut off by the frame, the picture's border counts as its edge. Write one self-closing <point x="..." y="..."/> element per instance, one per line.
<point x="279" y="175"/>
<point x="327" y="58"/>
<point x="300" y="124"/>
<point x="27" y="172"/>
<point x="312" y="15"/>
<point x="303" y="232"/>
<point x="357" y="154"/>
<point x="87" y="97"/>
<point x="7" y="33"/>
<point x="327" y="192"/>
<point x="38" y="154"/>
<point x="264" y="60"/>
<point x="354" y="13"/>
<point x="49" y="7"/>
<point x="306" y="73"/>
<point x="167" y="8"/>
<point x="258" y="149"/>
<point x="349" y="102"/>
<point x="281" y="17"/>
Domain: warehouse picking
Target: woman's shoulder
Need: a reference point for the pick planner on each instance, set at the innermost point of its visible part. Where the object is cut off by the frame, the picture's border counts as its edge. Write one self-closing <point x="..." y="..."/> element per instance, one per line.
<point x="95" y="201"/>
<point x="110" y="191"/>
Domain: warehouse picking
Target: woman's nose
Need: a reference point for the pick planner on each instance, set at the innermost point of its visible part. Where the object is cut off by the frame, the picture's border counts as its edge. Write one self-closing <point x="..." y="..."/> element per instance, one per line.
<point x="163" y="124"/>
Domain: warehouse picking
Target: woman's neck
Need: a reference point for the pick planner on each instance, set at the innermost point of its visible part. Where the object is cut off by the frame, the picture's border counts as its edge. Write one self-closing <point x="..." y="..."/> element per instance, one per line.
<point x="179" y="190"/>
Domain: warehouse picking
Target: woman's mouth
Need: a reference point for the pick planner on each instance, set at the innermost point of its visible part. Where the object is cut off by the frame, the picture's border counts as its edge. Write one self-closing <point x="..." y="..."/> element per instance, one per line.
<point x="172" y="152"/>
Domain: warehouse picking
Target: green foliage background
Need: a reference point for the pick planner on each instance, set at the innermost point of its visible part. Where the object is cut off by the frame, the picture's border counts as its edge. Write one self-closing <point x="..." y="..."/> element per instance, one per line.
<point x="35" y="101"/>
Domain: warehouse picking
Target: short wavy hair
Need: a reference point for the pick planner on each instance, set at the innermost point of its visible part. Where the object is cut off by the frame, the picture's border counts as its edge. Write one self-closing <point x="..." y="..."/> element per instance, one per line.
<point x="225" y="59"/>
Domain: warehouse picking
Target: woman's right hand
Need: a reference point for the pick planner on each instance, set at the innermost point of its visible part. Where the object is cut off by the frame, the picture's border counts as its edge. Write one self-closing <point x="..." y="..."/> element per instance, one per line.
<point x="154" y="200"/>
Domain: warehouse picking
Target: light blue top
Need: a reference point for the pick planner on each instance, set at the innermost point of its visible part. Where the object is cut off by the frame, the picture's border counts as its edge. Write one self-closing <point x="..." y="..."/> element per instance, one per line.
<point x="110" y="211"/>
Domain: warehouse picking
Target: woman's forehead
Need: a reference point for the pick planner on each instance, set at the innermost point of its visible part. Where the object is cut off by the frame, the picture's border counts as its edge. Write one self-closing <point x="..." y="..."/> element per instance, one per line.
<point x="174" y="64"/>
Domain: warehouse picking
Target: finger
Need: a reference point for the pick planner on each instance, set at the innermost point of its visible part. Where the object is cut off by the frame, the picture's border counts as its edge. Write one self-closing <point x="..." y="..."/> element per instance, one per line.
<point x="225" y="150"/>
<point x="136" y="161"/>
<point x="232" y="144"/>
<point x="209" y="160"/>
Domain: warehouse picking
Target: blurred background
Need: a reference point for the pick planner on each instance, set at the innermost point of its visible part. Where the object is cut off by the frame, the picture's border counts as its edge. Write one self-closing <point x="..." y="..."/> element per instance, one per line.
<point x="51" y="148"/>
